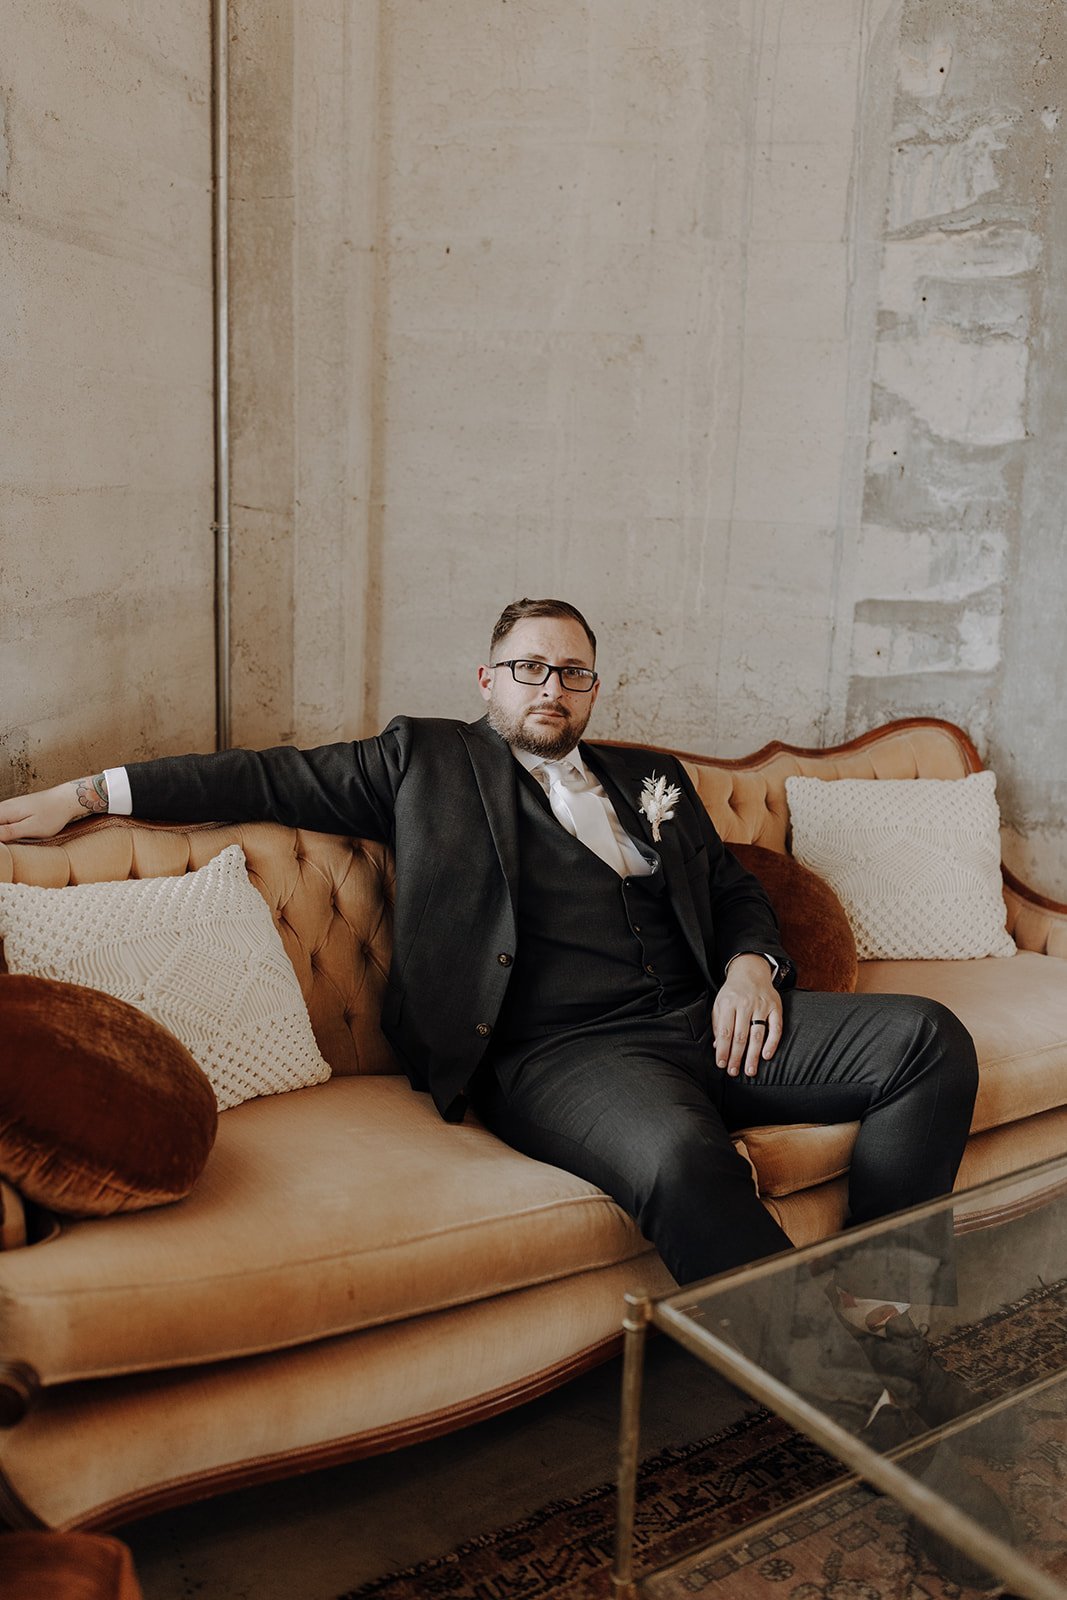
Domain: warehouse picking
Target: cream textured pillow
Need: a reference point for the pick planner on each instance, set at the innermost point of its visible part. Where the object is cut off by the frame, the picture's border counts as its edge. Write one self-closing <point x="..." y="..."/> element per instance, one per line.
<point x="198" y="953"/>
<point x="915" y="862"/>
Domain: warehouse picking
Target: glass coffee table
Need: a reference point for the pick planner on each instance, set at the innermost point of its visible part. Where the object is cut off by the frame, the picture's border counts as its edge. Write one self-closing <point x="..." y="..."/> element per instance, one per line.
<point x="966" y="1471"/>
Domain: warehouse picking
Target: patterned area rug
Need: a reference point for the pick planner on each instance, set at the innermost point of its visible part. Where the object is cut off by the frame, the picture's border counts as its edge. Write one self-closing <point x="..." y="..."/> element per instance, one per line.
<point x="845" y="1544"/>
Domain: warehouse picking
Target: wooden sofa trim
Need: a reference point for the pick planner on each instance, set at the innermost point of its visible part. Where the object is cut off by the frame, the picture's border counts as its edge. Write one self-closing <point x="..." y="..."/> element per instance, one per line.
<point x="1034" y="921"/>
<point x="767" y="753"/>
<point x="335" y="1453"/>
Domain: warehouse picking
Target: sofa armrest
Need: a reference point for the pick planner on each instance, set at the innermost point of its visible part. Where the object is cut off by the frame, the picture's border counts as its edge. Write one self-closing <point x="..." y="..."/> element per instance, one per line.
<point x="13" y="1232"/>
<point x="1035" y="922"/>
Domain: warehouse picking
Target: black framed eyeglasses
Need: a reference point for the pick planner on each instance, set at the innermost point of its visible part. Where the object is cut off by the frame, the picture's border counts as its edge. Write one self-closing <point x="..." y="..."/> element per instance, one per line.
<point x="576" y="680"/>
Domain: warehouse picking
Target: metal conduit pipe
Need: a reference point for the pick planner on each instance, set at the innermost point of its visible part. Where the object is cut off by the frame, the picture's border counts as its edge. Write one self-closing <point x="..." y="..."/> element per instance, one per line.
<point x="221" y="234"/>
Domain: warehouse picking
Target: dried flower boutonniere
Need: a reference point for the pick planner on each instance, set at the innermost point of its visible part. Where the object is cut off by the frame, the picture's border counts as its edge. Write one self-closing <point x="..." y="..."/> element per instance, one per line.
<point x="658" y="799"/>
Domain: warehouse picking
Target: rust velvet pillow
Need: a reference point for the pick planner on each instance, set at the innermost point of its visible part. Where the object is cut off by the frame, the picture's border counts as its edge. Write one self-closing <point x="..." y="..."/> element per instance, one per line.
<point x="815" y="930"/>
<point x="101" y="1109"/>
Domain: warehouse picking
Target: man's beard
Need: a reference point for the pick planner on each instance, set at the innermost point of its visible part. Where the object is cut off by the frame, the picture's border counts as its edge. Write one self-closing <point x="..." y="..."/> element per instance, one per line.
<point x="549" y="743"/>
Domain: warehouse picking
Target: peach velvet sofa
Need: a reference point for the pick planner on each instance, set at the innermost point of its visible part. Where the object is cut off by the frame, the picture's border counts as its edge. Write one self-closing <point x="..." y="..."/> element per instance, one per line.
<point x="298" y="1309"/>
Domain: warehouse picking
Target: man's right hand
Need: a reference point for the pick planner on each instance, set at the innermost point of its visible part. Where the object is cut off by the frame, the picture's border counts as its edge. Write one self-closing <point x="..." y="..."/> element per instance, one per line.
<point x="40" y="815"/>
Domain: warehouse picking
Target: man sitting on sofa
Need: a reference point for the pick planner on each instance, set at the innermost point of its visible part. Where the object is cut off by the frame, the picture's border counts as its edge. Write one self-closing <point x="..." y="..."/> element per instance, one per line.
<point x="578" y="956"/>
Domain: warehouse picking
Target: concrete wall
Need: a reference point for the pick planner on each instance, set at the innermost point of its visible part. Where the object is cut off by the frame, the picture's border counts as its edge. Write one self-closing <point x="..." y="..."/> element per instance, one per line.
<point x="956" y="582"/>
<point x="740" y="325"/>
<point x="626" y="344"/>
<point x="303" y="268"/>
<point x="106" y="555"/>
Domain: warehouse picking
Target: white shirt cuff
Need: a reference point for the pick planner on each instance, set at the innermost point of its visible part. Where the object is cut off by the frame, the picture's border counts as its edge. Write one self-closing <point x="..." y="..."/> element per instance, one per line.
<point x="119" y="798"/>
<point x="769" y="959"/>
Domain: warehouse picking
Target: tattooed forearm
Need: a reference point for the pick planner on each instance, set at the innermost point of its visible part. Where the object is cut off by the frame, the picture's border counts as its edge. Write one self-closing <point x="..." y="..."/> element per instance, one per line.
<point x="92" y="793"/>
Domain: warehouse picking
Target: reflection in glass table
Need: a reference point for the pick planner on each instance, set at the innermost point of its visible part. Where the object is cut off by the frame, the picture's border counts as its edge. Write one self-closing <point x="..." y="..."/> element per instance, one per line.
<point x="954" y="1408"/>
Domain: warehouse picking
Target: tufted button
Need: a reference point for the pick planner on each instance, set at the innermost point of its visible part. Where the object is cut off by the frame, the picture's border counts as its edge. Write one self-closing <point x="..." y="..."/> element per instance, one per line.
<point x="504" y="959"/>
<point x="483" y="1030"/>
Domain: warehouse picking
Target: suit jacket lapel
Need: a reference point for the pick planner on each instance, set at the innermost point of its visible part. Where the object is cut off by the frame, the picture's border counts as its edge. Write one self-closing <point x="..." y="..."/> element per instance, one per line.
<point x="494" y="771"/>
<point x="613" y="770"/>
<point x="623" y="792"/>
<point x="616" y="771"/>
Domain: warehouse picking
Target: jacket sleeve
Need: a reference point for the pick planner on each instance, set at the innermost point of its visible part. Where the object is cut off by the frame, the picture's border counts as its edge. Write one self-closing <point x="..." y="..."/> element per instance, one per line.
<point x="337" y="788"/>
<point x="742" y="915"/>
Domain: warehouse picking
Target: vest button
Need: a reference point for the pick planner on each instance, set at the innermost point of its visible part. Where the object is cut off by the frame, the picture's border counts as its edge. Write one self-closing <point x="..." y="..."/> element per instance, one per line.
<point x="650" y="968"/>
<point x="504" y="959"/>
<point x="637" y="927"/>
<point x="483" y="1030"/>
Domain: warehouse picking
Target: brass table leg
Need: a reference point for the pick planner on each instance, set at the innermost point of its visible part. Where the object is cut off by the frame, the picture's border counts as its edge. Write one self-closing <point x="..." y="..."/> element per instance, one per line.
<point x="635" y="1327"/>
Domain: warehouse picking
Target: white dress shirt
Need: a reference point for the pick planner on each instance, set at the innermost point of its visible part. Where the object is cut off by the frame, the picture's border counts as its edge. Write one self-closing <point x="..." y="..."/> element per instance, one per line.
<point x="119" y="798"/>
<point x="633" y="861"/>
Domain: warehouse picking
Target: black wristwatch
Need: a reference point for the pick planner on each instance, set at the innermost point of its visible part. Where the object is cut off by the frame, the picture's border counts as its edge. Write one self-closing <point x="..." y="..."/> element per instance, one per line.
<point x="786" y="975"/>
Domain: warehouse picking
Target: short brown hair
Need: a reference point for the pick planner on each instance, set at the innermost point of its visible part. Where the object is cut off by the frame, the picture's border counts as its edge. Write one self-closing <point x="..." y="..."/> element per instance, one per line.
<point x="520" y="609"/>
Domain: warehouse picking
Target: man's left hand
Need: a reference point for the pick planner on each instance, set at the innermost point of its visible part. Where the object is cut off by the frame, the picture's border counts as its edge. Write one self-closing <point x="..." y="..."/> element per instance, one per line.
<point x="747" y="998"/>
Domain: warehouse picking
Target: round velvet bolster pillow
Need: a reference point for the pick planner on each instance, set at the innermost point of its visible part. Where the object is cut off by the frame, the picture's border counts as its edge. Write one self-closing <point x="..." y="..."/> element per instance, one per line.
<point x="101" y="1108"/>
<point x="815" y="928"/>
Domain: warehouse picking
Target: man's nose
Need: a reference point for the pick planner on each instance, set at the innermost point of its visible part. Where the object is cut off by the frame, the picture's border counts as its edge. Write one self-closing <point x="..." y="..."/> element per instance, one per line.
<point x="553" y="685"/>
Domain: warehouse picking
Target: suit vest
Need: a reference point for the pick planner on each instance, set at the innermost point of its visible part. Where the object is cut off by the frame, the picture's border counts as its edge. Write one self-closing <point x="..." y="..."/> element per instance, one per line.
<point x="591" y="946"/>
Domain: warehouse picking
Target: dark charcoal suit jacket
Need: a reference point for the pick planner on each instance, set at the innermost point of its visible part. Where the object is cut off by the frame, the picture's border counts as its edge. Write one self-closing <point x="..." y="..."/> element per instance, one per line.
<point x="442" y="794"/>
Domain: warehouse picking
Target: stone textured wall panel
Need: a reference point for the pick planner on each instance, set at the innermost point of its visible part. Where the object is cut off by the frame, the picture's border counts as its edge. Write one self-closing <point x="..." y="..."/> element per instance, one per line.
<point x="961" y="546"/>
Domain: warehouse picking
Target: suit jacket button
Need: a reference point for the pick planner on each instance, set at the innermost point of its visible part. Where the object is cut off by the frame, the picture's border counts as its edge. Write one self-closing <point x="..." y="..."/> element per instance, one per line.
<point x="504" y="959"/>
<point x="650" y="968"/>
<point x="483" y="1030"/>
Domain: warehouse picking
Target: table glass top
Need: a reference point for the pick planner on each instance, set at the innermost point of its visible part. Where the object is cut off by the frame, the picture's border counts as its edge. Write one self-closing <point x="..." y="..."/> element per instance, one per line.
<point x="957" y="1408"/>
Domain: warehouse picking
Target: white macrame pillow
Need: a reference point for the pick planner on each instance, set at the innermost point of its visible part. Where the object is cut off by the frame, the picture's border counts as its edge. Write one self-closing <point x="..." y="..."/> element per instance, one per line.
<point x="198" y="953"/>
<point x="915" y="862"/>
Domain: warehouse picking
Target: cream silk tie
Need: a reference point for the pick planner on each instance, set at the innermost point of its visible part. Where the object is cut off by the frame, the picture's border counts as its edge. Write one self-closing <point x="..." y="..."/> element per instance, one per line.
<point x="581" y="813"/>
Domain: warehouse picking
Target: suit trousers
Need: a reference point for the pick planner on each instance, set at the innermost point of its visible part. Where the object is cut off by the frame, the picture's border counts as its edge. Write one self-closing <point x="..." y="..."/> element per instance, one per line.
<point x="638" y="1107"/>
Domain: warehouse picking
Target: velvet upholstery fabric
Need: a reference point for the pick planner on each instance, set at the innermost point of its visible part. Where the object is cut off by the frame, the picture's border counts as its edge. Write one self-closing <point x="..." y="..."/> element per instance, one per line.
<point x="66" y="1566"/>
<point x="13" y="1233"/>
<point x="198" y="952"/>
<point x="288" y="1221"/>
<point x="815" y="929"/>
<point x="1013" y="1008"/>
<point x="90" y="1447"/>
<point x="412" y="1215"/>
<point x="101" y="1109"/>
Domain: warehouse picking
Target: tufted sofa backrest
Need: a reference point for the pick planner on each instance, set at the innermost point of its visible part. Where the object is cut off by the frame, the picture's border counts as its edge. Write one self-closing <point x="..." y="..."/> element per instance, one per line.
<point x="746" y="798"/>
<point x="332" y="896"/>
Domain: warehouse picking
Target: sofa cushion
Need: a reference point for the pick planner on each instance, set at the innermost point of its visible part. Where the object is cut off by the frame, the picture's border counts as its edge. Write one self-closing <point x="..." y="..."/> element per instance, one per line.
<point x="334" y="1208"/>
<point x="101" y="1109"/>
<point x="815" y="929"/>
<point x="916" y="862"/>
<point x="800" y="1156"/>
<point x="199" y="953"/>
<point x="1016" y="1011"/>
<point x="105" y="1453"/>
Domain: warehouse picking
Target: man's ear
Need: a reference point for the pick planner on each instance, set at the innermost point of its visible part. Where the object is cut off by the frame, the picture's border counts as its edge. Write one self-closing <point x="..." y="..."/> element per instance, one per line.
<point x="485" y="681"/>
